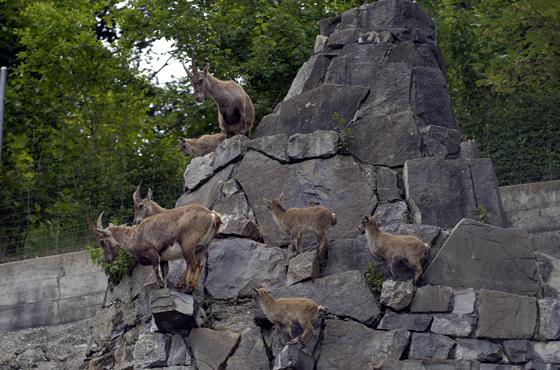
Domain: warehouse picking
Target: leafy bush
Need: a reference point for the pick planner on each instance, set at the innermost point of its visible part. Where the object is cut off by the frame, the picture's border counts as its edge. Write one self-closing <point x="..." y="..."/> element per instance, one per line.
<point x="374" y="279"/>
<point x="121" y="266"/>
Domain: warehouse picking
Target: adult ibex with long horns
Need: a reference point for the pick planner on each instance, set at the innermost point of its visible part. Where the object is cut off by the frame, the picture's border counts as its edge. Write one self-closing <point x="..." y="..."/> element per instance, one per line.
<point x="183" y="232"/>
<point x="235" y="108"/>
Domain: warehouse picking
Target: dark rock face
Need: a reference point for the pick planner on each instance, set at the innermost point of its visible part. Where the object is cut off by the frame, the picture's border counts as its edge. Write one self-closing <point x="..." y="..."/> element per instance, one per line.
<point x="406" y="321"/>
<point x="209" y="192"/>
<point x="432" y="298"/>
<point x="430" y="346"/>
<point x="315" y="180"/>
<point x="483" y="256"/>
<point x="342" y="338"/>
<point x="442" y="192"/>
<point x="172" y="311"/>
<point x="251" y="353"/>
<point x="211" y="348"/>
<point x="310" y="75"/>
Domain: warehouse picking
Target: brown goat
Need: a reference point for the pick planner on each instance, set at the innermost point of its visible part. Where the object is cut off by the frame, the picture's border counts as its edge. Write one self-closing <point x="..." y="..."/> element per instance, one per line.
<point x="201" y="146"/>
<point x="285" y="312"/>
<point x="294" y="221"/>
<point x="390" y="246"/>
<point x="183" y="232"/>
<point x="235" y="108"/>
<point x="146" y="207"/>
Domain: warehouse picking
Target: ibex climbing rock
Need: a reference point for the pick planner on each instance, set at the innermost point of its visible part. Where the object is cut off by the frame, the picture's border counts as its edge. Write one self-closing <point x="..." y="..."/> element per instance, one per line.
<point x="285" y="312"/>
<point x="294" y="221"/>
<point x="201" y="146"/>
<point x="390" y="246"/>
<point x="183" y="232"/>
<point x="235" y="108"/>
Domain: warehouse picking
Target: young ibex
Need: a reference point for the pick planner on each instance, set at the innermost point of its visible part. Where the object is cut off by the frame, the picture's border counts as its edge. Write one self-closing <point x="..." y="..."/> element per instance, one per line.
<point x="146" y="207"/>
<point x="390" y="246"/>
<point x="294" y="221"/>
<point x="285" y="312"/>
<point x="201" y="146"/>
<point x="235" y="108"/>
<point x="183" y="232"/>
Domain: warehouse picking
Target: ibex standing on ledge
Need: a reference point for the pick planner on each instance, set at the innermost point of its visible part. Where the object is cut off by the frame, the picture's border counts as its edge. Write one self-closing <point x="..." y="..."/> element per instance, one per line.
<point x="183" y="232"/>
<point x="285" y="312"/>
<point x="390" y="246"/>
<point x="235" y="108"/>
<point x="146" y="207"/>
<point x="294" y="221"/>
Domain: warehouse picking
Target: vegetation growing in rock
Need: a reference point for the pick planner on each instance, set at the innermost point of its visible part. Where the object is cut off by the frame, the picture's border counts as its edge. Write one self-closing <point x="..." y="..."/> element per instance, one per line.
<point x="374" y="279"/>
<point x="115" y="271"/>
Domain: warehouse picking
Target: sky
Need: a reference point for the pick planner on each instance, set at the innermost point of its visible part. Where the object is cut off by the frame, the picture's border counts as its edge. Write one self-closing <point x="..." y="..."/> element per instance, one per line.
<point x="156" y="57"/>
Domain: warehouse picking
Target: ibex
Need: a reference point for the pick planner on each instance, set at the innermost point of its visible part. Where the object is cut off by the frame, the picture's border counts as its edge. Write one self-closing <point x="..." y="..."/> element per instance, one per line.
<point x="180" y="232"/>
<point x="390" y="246"/>
<point x="235" y="108"/>
<point x="201" y="146"/>
<point x="285" y="312"/>
<point x="294" y="221"/>
<point x="146" y="207"/>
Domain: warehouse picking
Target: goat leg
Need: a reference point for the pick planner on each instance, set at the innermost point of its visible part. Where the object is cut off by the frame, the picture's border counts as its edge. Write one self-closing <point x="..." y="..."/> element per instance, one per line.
<point x="164" y="268"/>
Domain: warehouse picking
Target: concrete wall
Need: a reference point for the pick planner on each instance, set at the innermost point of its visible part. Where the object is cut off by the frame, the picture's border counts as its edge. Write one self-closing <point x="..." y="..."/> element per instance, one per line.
<point x="49" y="290"/>
<point x="535" y="208"/>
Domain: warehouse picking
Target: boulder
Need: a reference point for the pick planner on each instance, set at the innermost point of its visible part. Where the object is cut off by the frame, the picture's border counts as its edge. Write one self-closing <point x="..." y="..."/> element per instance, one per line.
<point x="453" y="325"/>
<point x="505" y="315"/>
<point x="387" y="185"/>
<point x="229" y="151"/>
<point x="397" y="14"/>
<point x="300" y="267"/>
<point x="292" y="357"/>
<point x="463" y="301"/>
<point x="311" y="181"/>
<point x="549" y="271"/>
<point x="483" y="256"/>
<point x="432" y="298"/>
<point x="238" y="217"/>
<point x="519" y="351"/>
<point x="320" y="43"/>
<point x="327" y="25"/>
<point x="345" y="294"/>
<point x="342" y="338"/>
<point x="321" y="143"/>
<point x="441" y="191"/>
<point x="397" y="294"/>
<point x="441" y="141"/>
<point x="178" y="352"/>
<point x="431" y="365"/>
<point x="212" y="348"/>
<point x="549" y="319"/>
<point x="500" y="367"/>
<point x="392" y="214"/>
<point x="322" y="108"/>
<point x="274" y="146"/>
<point x="172" y="310"/>
<point x="310" y="75"/>
<point x="357" y="64"/>
<point x="479" y="350"/>
<point x="430" y="346"/>
<point x="548" y="352"/>
<point x="407" y="321"/>
<point x="343" y="36"/>
<point x="250" y="353"/>
<point x="235" y="267"/>
<point x="199" y="170"/>
<point x="209" y="192"/>
<point x="350" y="254"/>
<point x="396" y="138"/>
<point x="150" y="350"/>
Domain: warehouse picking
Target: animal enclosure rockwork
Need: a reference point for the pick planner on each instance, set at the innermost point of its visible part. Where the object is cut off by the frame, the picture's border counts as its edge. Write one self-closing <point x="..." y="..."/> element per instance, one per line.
<point x="365" y="128"/>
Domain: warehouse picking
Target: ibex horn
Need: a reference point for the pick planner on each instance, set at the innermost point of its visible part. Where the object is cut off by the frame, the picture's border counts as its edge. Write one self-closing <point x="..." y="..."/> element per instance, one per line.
<point x="99" y="224"/>
<point x="136" y="197"/>
<point x="189" y="73"/>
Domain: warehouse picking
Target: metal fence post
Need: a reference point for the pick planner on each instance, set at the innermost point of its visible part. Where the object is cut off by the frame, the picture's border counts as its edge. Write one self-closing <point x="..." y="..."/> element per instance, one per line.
<point x="3" y="72"/>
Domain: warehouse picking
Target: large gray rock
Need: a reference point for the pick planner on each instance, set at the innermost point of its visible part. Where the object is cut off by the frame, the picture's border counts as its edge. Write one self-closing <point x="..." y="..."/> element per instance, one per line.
<point x="483" y="256"/>
<point x="300" y="267"/>
<point x="549" y="271"/>
<point x="432" y="298"/>
<point x="357" y="64"/>
<point x="211" y="348"/>
<point x="519" y="351"/>
<point x="238" y="217"/>
<point x="309" y="76"/>
<point x="430" y="346"/>
<point x="251" y="353"/>
<point x="209" y="192"/>
<point x="320" y="143"/>
<point x="274" y="146"/>
<point x="178" y="352"/>
<point x="406" y="321"/>
<point x="392" y="214"/>
<point x="387" y="185"/>
<point x="463" y="301"/>
<point x="342" y="339"/>
<point x="397" y="294"/>
<point x="453" y="325"/>
<point x="549" y="352"/>
<point x="396" y="14"/>
<point x="479" y="350"/>
<point x="150" y="350"/>
<point x="172" y="310"/>
<point x="229" y="151"/>
<point x="431" y="365"/>
<point x="441" y="192"/>
<point x="199" y="170"/>
<point x="292" y="357"/>
<point x="350" y="254"/>
<point x="236" y="266"/>
<point x="322" y="108"/>
<point x="441" y="141"/>
<point x="345" y="294"/>
<point x="549" y="319"/>
<point x="505" y="315"/>
<point x="311" y="181"/>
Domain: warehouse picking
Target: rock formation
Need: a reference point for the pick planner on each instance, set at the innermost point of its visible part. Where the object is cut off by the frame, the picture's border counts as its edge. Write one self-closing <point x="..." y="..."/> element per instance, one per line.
<point x="366" y="127"/>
